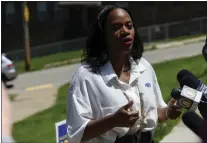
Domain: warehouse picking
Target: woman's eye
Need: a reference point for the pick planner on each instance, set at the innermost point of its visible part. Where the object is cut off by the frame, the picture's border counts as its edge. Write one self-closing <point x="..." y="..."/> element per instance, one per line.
<point x="116" y="27"/>
<point x="129" y="25"/>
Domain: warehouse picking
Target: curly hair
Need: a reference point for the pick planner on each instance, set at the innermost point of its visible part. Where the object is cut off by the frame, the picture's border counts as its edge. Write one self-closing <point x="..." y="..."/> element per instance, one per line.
<point x="95" y="51"/>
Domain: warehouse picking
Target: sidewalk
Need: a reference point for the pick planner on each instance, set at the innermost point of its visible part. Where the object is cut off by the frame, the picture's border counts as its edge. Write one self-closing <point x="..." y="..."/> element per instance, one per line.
<point x="181" y="134"/>
<point x="163" y="45"/>
<point x="27" y="103"/>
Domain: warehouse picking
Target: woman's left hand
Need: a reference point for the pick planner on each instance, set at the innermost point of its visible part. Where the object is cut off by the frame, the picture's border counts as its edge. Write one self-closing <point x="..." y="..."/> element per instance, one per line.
<point x="173" y="110"/>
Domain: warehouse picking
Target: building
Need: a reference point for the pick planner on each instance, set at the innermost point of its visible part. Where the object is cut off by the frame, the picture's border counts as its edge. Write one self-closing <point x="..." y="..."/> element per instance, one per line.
<point x="52" y="22"/>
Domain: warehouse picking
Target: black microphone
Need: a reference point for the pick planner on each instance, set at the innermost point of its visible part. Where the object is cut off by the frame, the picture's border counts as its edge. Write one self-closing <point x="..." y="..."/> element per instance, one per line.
<point x="183" y="73"/>
<point x="185" y="77"/>
<point x="202" y="106"/>
<point x="194" y="123"/>
<point x="176" y="93"/>
<point x="187" y="97"/>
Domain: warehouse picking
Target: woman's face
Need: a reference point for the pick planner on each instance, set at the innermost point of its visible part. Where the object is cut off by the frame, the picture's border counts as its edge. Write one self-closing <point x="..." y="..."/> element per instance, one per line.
<point x="119" y="31"/>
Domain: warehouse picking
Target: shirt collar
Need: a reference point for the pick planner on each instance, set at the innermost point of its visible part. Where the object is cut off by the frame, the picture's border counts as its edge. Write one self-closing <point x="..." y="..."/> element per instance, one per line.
<point x="137" y="68"/>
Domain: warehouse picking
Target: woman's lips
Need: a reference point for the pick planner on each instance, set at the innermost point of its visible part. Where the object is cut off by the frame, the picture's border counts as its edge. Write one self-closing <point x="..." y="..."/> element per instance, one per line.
<point x="127" y="41"/>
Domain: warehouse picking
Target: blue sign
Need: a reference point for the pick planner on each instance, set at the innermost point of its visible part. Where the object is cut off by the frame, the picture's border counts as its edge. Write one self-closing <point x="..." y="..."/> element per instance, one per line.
<point x="61" y="132"/>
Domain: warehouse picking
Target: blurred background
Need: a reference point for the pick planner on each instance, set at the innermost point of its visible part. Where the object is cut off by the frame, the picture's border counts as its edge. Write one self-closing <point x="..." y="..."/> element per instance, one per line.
<point x="62" y="26"/>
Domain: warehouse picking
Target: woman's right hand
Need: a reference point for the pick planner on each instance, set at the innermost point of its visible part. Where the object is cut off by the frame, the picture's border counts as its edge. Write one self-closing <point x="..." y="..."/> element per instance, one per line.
<point x="124" y="117"/>
<point x="121" y="118"/>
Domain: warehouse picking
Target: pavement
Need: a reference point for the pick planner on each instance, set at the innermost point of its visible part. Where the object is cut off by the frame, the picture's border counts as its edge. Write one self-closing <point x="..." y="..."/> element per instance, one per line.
<point x="30" y="102"/>
<point x="181" y="134"/>
<point x="37" y="90"/>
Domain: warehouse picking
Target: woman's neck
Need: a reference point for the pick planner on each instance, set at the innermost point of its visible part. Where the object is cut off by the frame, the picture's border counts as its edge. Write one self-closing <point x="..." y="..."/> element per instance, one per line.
<point x="120" y="63"/>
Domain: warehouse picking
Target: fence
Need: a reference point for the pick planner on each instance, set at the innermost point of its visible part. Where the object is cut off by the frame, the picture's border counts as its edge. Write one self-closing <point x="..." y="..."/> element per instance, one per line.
<point x="171" y="30"/>
<point x="148" y="34"/>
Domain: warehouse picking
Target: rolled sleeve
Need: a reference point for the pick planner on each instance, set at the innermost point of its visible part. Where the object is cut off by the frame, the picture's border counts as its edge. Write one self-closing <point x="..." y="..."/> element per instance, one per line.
<point x="79" y="112"/>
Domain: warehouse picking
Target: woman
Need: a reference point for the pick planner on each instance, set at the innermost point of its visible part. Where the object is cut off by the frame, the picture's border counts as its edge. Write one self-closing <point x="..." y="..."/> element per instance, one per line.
<point x="114" y="96"/>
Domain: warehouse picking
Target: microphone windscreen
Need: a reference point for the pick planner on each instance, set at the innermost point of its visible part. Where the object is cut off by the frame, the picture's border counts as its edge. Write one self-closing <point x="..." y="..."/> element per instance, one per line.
<point x="184" y="73"/>
<point x="189" y="81"/>
<point x="194" y="123"/>
<point x="176" y="93"/>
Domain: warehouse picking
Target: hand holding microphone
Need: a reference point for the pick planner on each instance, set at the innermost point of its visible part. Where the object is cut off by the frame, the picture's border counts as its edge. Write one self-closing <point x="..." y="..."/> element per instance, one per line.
<point x="194" y="91"/>
<point x="187" y="97"/>
<point x="173" y="110"/>
<point x="185" y="77"/>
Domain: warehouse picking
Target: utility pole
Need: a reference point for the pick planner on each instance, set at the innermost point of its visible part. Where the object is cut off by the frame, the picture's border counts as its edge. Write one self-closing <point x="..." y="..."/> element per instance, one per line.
<point x="26" y="35"/>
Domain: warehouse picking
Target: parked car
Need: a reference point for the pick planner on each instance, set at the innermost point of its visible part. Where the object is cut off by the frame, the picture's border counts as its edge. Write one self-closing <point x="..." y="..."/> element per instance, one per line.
<point x="8" y="71"/>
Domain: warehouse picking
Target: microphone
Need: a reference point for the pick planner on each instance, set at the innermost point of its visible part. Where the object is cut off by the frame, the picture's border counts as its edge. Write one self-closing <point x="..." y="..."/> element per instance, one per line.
<point x="187" y="98"/>
<point x="176" y="93"/>
<point x="185" y="77"/>
<point x="194" y="123"/>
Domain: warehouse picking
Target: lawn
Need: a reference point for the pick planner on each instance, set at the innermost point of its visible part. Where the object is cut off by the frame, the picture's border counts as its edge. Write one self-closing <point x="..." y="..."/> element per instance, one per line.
<point x="40" y="127"/>
<point x="39" y="63"/>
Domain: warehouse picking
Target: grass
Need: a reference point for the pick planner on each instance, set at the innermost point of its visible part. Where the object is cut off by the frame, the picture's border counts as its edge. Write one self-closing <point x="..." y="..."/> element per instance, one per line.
<point x="40" y="127"/>
<point x="39" y="63"/>
<point x="64" y="58"/>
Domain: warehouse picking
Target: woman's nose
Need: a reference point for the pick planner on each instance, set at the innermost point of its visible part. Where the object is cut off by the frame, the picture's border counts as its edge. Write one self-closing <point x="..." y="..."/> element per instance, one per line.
<point x="124" y="31"/>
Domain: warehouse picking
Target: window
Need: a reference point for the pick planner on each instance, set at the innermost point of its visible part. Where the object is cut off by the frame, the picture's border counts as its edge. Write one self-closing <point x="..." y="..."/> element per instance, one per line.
<point x="61" y="13"/>
<point x="42" y="12"/>
<point x="10" y="13"/>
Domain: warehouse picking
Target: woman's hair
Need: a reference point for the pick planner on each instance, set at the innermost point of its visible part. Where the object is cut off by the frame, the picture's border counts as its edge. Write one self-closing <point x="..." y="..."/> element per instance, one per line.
<point x="95" y="52"/>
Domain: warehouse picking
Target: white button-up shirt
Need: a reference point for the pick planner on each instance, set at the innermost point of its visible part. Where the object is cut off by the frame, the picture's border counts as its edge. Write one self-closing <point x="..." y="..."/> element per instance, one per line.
<point x="92" y="96"/>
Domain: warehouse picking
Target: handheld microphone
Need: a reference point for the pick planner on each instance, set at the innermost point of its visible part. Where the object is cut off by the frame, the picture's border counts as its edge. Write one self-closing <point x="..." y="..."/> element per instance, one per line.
<point x="188" y="98"/>
<point x="176" y="93"/>
<point x="194" y="123"/>
<point x="191" y="81"/>
<point x="185" y="77"/>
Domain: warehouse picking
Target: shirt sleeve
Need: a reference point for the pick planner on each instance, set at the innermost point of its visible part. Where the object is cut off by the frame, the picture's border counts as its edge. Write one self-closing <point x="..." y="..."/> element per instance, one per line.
<point x="159" y="99"/>
<point x="79" y="111"/>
